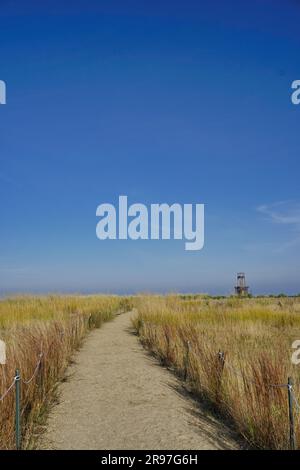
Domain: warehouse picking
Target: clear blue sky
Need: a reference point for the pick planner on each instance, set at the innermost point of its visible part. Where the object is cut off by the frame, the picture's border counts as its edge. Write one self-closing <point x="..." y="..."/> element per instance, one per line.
<point x="165" y="101"/>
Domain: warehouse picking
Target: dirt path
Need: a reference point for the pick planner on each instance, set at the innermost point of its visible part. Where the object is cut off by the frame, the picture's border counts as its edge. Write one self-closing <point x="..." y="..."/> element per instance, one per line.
<point x="117" y="397"/>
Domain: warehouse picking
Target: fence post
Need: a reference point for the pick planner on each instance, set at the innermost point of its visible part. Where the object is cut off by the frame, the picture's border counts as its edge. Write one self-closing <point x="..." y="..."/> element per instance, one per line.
<point x="18" y="423"/>
<point x="186" y="360"/>
<point x="219" y="374"/>
<point x="291" y="414"/>
<point x="40" y="372"/>
<point x="221" y="356"/>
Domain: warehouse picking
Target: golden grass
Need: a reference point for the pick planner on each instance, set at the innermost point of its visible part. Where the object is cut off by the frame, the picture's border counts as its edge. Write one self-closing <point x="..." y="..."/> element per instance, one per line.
<point x="256" y="336"/>
<point x="55" y="326"/>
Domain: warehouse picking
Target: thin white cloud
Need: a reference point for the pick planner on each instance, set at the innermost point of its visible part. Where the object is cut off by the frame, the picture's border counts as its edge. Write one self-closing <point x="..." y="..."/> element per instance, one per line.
<point x="283" y="212"/>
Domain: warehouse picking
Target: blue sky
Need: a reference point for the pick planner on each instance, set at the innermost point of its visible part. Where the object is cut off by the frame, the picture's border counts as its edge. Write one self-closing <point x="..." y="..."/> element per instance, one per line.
<point x="163" y="101"/>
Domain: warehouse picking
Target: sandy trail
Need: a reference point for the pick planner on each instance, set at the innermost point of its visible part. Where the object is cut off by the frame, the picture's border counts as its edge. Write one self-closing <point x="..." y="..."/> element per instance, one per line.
<point x="117" y="396"/>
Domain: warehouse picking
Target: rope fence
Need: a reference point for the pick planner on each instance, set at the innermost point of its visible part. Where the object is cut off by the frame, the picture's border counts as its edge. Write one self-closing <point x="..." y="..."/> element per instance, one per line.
<point x="27" y="382"/>
<point x="17" y="380"/>
<point x="293" y="403"/>
<point x="8" y="390"/>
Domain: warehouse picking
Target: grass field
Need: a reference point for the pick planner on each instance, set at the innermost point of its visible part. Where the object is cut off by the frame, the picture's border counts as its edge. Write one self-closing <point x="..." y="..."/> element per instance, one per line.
<point x="184" y="332"/>
<point x="256" y="337"/>
<point x="43" y="331"/>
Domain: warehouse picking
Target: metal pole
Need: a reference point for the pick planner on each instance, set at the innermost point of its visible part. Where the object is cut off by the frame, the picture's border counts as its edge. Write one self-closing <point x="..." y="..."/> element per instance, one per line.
<point x="219" y="372"/>
<point x="40" y="380"/>
<point x="221" y="356"/>
<point x="186" y="360"/>
<point x="18" y="422"/>
<point x="291" y="414"/>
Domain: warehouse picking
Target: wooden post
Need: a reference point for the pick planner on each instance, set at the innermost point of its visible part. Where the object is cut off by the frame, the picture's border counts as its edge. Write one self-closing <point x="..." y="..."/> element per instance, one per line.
<point x="291" y="414"/>
<point x="17" y="418"/>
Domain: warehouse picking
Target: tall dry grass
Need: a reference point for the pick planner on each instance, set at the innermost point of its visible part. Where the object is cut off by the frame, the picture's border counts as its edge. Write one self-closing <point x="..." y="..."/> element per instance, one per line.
<point x="256" y="337"/>
<point x="55" y="327"/>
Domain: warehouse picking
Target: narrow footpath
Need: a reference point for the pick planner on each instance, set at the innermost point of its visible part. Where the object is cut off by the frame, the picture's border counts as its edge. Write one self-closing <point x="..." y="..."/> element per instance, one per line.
<point x="117" y="396"/>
